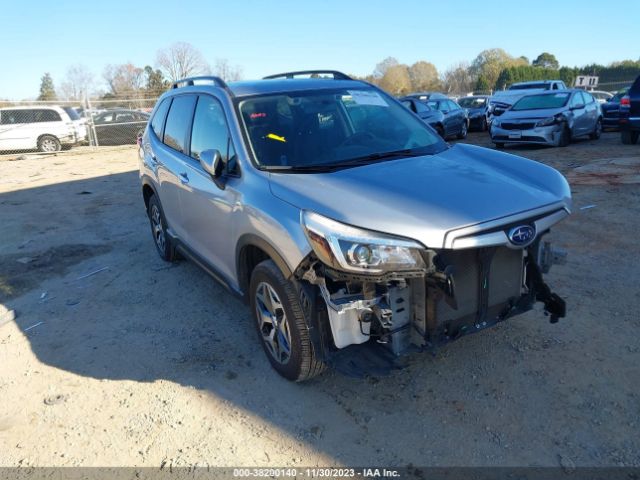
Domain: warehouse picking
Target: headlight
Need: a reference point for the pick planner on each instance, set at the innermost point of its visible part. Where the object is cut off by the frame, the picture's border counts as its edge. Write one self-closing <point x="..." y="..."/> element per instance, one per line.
<point x="355" y="250"/>
<point x="548" y="121"/>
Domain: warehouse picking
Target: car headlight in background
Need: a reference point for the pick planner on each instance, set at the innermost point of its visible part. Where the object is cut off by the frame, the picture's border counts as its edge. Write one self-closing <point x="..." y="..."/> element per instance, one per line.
<point x="545" y="122"/>
<point x="352" y="249"/>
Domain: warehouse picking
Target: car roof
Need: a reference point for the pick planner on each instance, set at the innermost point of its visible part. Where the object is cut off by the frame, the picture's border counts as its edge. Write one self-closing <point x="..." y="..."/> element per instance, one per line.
<point x="544" y="82"/>
<point x="279" y="85"/>
<point x="434" y="95"/>
<point x="32" y="107"/>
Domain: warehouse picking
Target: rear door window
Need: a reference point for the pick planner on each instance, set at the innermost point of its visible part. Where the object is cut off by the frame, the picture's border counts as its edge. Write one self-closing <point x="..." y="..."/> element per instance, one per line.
<point x="179" y="122"/>
<point x="46" y="116"/>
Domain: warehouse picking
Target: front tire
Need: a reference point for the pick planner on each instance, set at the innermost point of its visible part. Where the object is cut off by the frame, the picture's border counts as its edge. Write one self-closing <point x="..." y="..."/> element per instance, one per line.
<point x="597" y="130"/>
<point x="565" y="136"/>
<point x="49" y="144"/>
<point x="463" y="131"/>
<point x="158" y="223"/>
<point x="281" y="324"/>
<point x="628" y="137"/>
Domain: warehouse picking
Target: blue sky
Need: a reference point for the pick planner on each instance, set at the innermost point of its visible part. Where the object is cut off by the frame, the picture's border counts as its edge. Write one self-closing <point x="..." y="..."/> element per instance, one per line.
<point x="268" y="37"/>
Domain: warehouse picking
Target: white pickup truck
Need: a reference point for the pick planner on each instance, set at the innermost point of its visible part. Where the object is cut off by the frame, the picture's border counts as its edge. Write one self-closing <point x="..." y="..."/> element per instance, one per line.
<point x="503" y="99"/>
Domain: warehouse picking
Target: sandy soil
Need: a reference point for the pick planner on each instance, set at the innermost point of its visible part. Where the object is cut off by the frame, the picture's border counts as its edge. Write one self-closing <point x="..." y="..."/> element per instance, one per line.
<point x="146" y="364"/>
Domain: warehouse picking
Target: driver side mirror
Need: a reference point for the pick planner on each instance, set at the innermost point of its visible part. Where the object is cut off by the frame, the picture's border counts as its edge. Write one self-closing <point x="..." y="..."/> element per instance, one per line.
<point x="212" y="163"/>
<point x="578" y="107"/>
<point x="445" y="112"/>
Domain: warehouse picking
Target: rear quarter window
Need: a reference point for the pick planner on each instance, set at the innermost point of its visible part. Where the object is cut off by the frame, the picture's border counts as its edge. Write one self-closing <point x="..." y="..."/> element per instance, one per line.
<point x="13" y="117"/>
<point x="157" y="123"/>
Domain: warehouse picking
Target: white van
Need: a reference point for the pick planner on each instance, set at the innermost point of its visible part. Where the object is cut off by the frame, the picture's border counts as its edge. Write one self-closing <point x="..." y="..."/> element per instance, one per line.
<point x="47" y="129"/>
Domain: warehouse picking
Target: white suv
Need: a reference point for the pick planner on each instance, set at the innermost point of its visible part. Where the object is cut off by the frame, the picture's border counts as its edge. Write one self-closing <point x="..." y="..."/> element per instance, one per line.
<point x="46" y="128"/>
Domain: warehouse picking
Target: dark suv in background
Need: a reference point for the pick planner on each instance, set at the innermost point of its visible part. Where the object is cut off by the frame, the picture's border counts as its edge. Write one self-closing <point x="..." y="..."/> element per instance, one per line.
<point x="630" y="114"/>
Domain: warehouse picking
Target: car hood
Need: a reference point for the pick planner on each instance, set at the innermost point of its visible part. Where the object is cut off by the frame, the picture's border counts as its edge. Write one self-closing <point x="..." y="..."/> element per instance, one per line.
<point x="425" y="197"/>
<point x="530" y="114"/>
<point x="475" y="111"/>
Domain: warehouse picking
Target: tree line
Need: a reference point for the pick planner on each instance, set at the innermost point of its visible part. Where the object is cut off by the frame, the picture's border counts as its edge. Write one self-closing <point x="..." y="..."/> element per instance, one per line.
<point x="492" y="69"/>
<point x="127" y="80"/>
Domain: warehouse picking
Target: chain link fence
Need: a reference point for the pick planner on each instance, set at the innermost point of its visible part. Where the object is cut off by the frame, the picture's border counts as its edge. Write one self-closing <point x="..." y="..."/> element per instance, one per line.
<point x="28" y="127"/>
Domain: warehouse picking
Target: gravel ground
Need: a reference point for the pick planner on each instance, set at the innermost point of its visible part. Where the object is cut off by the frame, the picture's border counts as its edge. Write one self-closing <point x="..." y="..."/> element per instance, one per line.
<point x="146" y="364"/>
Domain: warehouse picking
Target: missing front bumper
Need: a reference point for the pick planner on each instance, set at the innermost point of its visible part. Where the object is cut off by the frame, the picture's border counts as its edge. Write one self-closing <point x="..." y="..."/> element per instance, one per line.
<point x="461" y="292"/>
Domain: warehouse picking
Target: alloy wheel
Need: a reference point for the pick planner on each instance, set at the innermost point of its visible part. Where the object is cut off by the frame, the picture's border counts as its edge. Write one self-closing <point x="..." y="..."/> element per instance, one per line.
<point x="272" y="322"/>
<point x="156" y="225"/>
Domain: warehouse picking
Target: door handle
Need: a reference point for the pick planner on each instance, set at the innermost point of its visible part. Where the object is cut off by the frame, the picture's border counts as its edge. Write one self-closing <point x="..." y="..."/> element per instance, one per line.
<point x="184" y="178"/>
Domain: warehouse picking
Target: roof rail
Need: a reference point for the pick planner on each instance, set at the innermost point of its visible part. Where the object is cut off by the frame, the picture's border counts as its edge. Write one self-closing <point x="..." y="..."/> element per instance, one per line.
<point x="336" y="75"/>
<point x="186" y="82"/>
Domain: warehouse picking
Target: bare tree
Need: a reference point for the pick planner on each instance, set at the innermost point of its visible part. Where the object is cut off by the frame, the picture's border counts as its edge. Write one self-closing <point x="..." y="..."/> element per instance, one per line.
<point x="384" y="65"/>
<point x="226" y="71"/>
<point x="124" y="80"/>
<point x="77" y="82"/>
<point x="458" y="79"/>
<point x="181" y="60"/>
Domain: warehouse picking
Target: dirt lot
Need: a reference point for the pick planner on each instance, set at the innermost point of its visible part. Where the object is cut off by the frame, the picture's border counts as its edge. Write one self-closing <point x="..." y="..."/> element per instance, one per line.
<point x="147" y="364"/>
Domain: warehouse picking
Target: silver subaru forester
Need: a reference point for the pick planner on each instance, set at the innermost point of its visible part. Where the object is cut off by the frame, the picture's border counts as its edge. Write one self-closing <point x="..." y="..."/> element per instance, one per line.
<point x="355" y="233"/>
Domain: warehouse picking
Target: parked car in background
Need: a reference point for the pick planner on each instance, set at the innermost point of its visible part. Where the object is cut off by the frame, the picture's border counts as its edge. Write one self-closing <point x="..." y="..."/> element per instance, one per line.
<point x="455" y="117"/>
<point x="630" y="114"/>
<point x="47" y="129"/>
<point x="119" y="126"/>
<point x="600" y="96"/>
<point x="353" y="231"/>
<point x="424" y="96"/>
<point x="477" y="111"/>
<point x="502" y="100"/>
<point x="550" y="118"/>
<point x="611" y="110"/>
<point x="431" y="116"/>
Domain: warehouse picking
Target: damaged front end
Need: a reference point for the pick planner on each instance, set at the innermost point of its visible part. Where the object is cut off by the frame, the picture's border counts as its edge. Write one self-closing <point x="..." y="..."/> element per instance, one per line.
<point x="370" y="298"/>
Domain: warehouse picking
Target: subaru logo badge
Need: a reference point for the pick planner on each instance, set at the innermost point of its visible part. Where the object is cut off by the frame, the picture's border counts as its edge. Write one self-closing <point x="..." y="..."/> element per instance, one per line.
<point x="522" y="235"/>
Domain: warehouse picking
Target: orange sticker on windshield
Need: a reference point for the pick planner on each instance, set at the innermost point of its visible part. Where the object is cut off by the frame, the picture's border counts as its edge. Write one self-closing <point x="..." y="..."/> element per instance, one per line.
<point x="273" y="136"/>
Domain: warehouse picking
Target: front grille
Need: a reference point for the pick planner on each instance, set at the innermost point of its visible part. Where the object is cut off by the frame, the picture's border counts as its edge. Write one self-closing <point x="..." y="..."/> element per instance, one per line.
<point x="517" y="126"/>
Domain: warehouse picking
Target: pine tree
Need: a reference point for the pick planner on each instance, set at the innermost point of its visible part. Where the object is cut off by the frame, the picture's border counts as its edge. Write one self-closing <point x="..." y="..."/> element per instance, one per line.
<point x="47" y="91"/>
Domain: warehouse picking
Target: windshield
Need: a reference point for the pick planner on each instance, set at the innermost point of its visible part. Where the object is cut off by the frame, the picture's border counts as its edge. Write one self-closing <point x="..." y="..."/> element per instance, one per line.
<point x="539" y="102"/>
<point x="527" y="86"/>
<point x="73" y="115"/>
<point x="327" y="127"/>
<point x="471" y="102"/>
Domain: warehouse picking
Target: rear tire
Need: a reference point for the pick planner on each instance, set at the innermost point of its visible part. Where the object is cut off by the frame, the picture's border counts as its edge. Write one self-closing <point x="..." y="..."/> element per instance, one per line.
<point x="158" y="223"/>
<point x="597" y="131"/>
<point x="629" y="137"/>
<point x="483" y="125"/>
<point x="49" y="144"/>
<point x="281" y="325"/>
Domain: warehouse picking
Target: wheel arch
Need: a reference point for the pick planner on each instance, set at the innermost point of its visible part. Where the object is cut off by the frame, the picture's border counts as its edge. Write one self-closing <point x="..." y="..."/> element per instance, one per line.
<point x="250" y="251"/>
<point x="148" y="190"/>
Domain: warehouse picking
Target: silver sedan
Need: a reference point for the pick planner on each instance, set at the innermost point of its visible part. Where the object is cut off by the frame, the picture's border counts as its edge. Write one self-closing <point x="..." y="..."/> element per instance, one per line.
<point x="550" y="118"/>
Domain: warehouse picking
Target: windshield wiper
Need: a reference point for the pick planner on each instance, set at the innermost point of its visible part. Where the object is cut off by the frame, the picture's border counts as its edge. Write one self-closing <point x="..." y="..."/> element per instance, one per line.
<point x="353" y="162"/>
